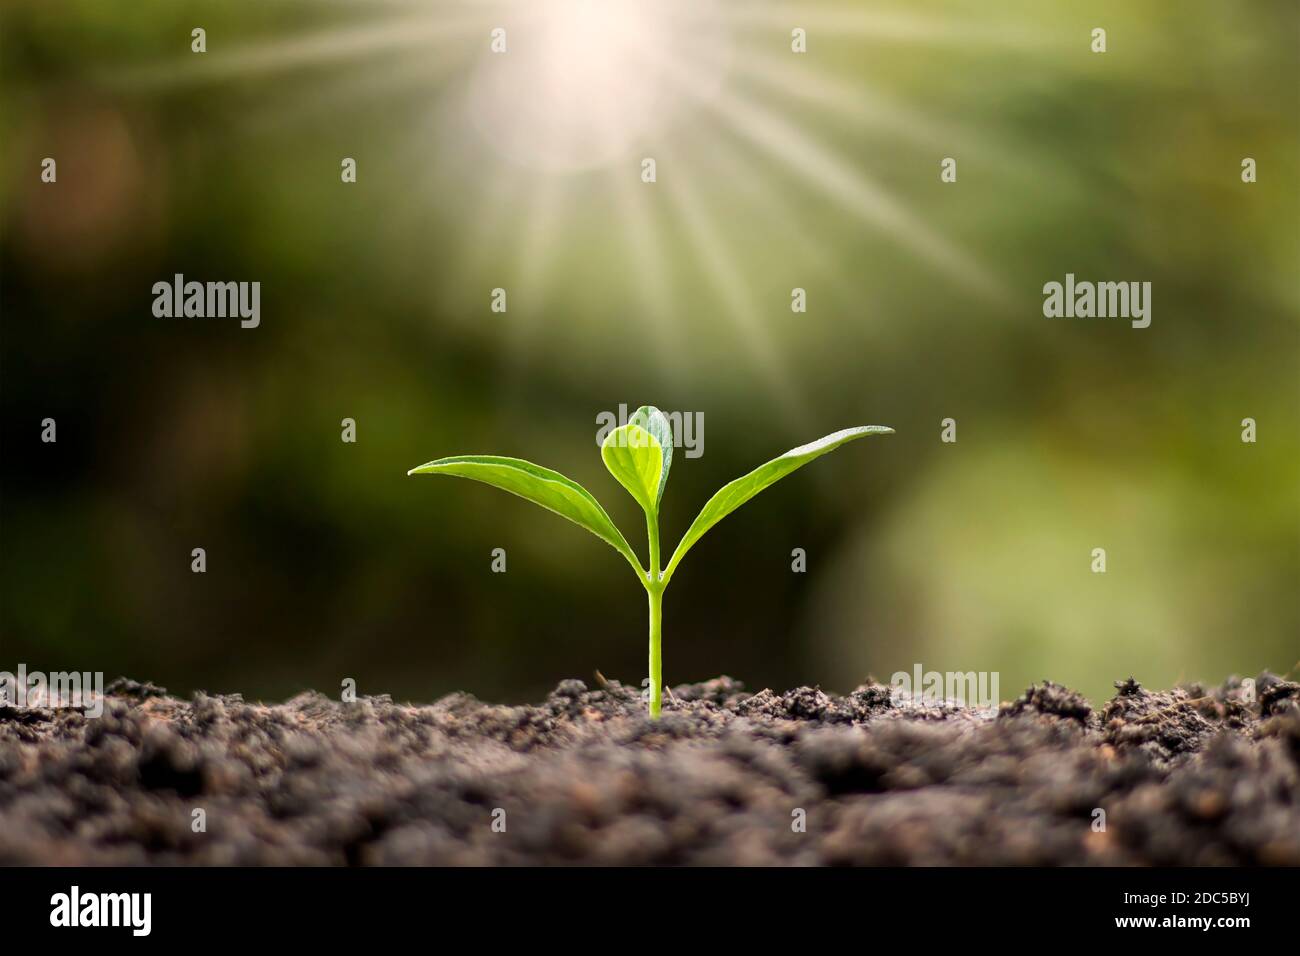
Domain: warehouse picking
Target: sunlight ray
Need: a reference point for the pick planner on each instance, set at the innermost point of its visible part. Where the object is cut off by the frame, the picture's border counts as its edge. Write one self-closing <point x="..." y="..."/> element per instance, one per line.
<point x="649" y="271"/>
<point x="822" y="168"/>
<point x="324" y="48"/>
<point x="527" y="280"/>
<point x="354" y="89"/>
<point x="717" y="265"/>
<point x="813" y="251"/>
<point x="892" y="25"/>
<point x="489" y="230"/>
<point x="784" y="76"/>
<point x="779" y="76"/>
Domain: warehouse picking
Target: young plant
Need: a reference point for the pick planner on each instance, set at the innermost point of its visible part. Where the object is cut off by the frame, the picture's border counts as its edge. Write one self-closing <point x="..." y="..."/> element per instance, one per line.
<point x="638" y="455"/>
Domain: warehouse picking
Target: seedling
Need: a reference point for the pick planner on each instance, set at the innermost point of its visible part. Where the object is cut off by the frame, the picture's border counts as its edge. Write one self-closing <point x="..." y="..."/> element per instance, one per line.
<point x="638" y="455"/>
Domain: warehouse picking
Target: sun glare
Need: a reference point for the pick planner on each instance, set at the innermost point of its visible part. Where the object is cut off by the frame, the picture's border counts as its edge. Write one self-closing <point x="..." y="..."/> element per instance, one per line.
<point x="579" y="82"/>
<point x="557" y="89"/>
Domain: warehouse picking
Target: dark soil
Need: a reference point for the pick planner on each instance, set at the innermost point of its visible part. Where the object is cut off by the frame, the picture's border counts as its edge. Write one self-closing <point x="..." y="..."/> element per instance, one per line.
<point x="1189" y="776"/>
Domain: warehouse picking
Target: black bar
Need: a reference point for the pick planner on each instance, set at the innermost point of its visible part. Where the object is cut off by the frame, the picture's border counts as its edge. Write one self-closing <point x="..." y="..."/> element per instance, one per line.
<point x="239" y="906"/>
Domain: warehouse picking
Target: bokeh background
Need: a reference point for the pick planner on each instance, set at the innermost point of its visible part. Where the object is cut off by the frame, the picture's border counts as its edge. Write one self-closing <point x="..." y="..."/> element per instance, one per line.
<point x="522" y="171"/>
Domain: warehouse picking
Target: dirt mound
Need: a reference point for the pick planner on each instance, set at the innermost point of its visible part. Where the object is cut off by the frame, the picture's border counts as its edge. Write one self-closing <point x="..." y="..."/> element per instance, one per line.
<point x="1187" y="776"/>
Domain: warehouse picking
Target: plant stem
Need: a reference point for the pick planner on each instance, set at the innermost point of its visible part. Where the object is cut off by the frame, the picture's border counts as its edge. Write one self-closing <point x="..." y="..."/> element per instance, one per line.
<point x="655" y="592"/>
<point x="656" y="596"/>
<point x="652" y="532"/>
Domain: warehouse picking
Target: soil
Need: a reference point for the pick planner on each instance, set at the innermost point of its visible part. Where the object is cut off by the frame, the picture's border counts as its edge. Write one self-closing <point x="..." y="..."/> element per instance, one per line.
<point x="1188" y="776"/>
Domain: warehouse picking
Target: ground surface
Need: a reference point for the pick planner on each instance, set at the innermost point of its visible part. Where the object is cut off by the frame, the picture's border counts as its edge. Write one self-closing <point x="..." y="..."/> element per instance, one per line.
<point x="1190" y="776"/>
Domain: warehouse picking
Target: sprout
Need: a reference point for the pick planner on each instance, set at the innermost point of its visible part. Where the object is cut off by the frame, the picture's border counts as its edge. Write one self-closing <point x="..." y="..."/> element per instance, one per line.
<point x="638" y="455"/>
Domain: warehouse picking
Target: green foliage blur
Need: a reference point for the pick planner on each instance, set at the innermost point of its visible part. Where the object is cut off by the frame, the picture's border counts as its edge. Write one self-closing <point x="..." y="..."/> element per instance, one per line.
<point x="818" y="171"/>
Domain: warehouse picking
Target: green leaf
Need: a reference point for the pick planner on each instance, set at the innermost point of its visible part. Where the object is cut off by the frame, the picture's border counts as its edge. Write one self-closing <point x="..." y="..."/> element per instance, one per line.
<point x="735" y="494"/>
<point x="657" y="424"/>
<point x="544" y="487"/>
<point x="636" y="459"/>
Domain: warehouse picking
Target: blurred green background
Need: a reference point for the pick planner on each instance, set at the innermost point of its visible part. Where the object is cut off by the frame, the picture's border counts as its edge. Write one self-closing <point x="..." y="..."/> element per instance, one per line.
<point x="775" y="171"/>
